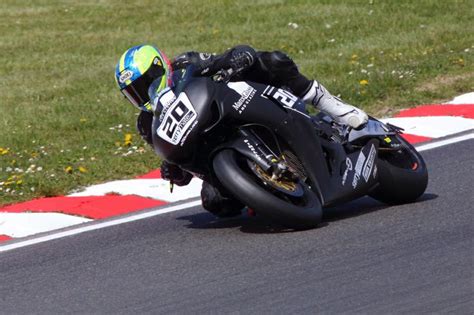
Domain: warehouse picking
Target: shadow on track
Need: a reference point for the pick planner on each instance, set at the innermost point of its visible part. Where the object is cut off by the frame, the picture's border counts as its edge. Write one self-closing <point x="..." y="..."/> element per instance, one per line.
<point x="258" y="225"/>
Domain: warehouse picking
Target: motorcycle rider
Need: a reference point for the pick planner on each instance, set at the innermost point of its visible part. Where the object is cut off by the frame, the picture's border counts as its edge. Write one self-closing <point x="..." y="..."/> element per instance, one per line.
<point x="144" y="75"/>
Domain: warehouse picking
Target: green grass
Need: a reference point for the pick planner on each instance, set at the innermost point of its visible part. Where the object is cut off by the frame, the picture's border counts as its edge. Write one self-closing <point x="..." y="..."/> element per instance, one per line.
<point x="58" y="98"/>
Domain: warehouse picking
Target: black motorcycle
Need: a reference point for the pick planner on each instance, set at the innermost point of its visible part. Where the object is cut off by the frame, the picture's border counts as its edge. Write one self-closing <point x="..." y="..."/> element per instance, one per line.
<point x="259" y="144"/>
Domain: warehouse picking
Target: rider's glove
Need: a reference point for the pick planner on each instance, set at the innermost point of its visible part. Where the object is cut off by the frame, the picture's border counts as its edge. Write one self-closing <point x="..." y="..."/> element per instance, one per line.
<point x="201" y="61"/>
<point x="241" y="58"/>
<point x="237" y="60"/>
<point x="175" y="174"/>
<point x="233" y="61"/>
<point x="144" y="121"/>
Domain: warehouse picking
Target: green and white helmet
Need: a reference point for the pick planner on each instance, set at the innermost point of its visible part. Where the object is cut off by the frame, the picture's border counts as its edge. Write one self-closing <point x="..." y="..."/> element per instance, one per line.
<point x="139" y="68"/>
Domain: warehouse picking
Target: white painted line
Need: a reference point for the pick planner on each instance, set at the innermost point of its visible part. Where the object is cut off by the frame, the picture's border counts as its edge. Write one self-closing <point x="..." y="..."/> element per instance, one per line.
<point x="99" y="225"/>
<point x="170" y="208"/>
<point x="437" y="144"/>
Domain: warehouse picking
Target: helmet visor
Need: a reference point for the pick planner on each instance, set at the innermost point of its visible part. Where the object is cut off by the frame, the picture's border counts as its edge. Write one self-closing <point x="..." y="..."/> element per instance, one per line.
<point x="134" y="95"/>
<point x="137" y="91"/>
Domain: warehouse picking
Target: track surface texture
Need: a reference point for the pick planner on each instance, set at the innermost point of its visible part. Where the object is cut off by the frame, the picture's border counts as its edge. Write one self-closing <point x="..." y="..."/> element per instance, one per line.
<point x="365" y="258"/>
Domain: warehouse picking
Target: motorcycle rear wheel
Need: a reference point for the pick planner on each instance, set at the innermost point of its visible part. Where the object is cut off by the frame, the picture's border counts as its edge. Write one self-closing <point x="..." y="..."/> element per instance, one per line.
<point x="402" y="175"/>
<point x="293" y="212"/>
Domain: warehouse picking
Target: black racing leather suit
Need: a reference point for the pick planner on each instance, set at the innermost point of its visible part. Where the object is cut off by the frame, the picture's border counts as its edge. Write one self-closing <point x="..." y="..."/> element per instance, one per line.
<point x="245" y="64"/>
<point x="240" y="63"/>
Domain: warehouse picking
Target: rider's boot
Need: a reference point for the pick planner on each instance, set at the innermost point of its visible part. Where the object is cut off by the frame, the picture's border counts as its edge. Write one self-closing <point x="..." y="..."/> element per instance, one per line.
<point x="333" y="106"/>
<point x="214" y="201"/>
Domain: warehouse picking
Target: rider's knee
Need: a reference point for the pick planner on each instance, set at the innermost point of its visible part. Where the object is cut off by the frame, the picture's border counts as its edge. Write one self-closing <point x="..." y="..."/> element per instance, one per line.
<point x="283" y="72"/>
<point x="279" y="61"/>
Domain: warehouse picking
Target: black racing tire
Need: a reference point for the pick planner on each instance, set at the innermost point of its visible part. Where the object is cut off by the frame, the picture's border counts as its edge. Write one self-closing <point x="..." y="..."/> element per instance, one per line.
<point x="403" y="178"/>
<point x="245" y="187"/>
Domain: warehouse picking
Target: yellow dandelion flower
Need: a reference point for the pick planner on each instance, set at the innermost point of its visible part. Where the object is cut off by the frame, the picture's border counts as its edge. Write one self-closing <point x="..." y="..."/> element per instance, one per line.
<point x="4" y="151"/>
<point x="83" y="120"/>
<point x="363" y="82"/>
<point x="128" y="139"/>
<point x="82" y="169"/>
<point x="354" y="57"/>
<point x="68" y="169"/>
<point x="19" y="182"/>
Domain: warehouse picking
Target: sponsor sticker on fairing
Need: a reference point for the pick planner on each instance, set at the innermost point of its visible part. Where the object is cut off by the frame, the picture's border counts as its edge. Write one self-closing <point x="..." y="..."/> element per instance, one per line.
<point x="165" y="99"/>
<point x="358" y="169"/>
<point x="179" y="118"/>
<point x="369" y="164"/>
<point x="246" y="94"/>
<point x="282" y="96"/>
<point x="349" y="168"/>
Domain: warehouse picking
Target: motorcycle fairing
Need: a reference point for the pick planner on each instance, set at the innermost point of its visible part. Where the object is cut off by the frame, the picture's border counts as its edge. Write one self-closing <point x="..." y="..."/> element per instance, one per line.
<point x="372" y="128"/>
<point x="301" y="134"/>
<point x="222" y="109"/>
<point x="200" y="94"/>
<point x="356" y="174"/>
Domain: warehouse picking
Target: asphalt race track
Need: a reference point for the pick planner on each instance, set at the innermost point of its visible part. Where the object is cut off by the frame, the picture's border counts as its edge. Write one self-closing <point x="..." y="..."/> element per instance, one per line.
<point x="365" y="258"/>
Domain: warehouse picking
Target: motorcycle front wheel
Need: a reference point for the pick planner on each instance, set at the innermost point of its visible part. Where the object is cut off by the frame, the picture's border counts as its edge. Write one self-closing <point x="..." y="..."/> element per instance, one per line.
<point x="299" y="212"/>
